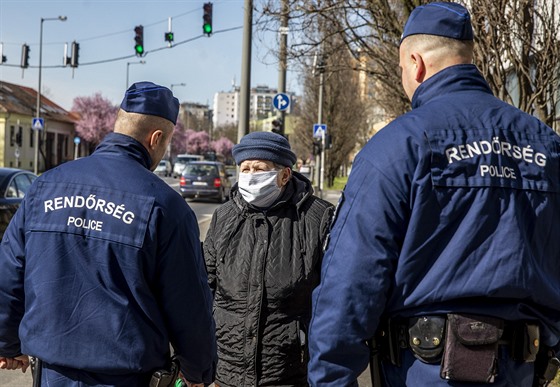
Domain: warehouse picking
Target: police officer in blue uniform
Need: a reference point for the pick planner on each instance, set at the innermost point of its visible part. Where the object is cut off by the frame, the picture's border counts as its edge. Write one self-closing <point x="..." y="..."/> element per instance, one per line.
<point x="446" y="247"/>
<point x="101" y="267"/>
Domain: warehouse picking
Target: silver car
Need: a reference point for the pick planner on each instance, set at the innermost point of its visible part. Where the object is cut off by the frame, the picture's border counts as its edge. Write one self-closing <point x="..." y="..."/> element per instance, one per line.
<point x="163" y="168"/>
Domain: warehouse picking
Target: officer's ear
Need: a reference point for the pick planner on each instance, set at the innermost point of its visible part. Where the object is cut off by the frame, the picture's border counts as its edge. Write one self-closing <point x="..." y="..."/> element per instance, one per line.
<point x="420" y="67"/>
<point x="156" y="138"/>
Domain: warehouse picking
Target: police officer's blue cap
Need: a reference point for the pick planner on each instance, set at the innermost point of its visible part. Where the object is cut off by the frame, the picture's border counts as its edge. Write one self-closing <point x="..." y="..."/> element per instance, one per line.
<point x="449" y="20"/>
<point x="264" y="146"/>
<point x="151" y="99"/>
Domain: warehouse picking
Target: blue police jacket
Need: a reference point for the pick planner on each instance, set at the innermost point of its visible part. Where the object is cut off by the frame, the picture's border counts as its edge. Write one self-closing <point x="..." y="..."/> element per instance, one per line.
<point x="452" y="207"/>
<point x="101" y="269"/>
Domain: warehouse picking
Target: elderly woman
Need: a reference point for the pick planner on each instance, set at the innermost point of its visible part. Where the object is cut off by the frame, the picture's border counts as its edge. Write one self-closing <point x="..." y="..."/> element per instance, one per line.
<point x="263" y="253"/>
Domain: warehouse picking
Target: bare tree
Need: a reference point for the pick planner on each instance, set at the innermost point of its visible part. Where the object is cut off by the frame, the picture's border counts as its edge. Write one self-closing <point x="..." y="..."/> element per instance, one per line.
<point x="369" y="30"/>
<point x="517" y="46"/>
<point x="518" y="52"/>
<point x="343" y="110"/>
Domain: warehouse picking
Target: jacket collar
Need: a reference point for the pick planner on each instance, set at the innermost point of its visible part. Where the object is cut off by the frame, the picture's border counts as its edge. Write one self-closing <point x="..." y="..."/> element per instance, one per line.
<point x="120" y="144"/>
<point x="458" y="78"/>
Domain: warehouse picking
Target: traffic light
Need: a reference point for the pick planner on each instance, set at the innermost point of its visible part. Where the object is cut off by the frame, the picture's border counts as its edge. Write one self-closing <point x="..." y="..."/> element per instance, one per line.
<point x="207" y="18"/>
<point x="75" y="54"/>
<point x="24" y="56"/>
<point x="168" y="36"/>
<point x="2" y="57"/>
<point x="328" y="141"/>
<point x="139" y="39"/>
<point x="316" y="147"/>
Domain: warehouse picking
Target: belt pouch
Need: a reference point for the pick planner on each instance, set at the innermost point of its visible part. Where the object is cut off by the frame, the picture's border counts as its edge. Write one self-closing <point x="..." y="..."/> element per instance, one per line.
<point x="426" y="337"/>
<point x="525" y="342"/>
<point x="471" y="348"/>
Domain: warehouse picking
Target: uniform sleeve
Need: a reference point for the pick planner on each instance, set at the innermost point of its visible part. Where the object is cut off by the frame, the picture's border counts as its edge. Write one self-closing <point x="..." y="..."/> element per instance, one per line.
<point x="356" y="275"/>
<point x="187" y="301"/>
<point x="12" y="299"/>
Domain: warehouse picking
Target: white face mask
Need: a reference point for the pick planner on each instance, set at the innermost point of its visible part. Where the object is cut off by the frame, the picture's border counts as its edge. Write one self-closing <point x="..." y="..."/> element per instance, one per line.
<point x="259" y="189"/>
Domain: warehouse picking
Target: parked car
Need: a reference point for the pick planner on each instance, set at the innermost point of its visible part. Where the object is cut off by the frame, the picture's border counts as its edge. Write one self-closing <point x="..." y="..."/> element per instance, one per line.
<point x="182" y="160"/>
<point x="205" y="179"/>
<point x="163" y="168"/>
<point x="232" y="171"/>
<point x="14" y="184"/>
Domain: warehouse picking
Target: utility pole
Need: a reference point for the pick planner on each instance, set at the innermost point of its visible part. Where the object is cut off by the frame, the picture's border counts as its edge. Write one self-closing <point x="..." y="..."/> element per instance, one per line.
<point x="283" y="60"/>
<point x="245" y="87"/>
<point x="320" y="163"/>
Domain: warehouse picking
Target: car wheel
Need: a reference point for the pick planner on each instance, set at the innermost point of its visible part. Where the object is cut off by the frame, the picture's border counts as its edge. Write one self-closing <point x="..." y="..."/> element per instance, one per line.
<point x="221" y="198"/>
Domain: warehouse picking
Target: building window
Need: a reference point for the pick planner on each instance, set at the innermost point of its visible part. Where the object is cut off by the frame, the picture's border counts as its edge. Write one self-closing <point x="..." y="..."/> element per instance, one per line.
<point x="19" y="136"/>
<point x="31" y="137"/>
<point x="12" y="135"/>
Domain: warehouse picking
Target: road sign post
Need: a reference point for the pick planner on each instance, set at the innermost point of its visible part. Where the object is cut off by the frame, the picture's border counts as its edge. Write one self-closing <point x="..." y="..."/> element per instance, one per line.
<point x="320" y="131"/>
<point x="37" y="124"/>
<point x="76" y="146"/>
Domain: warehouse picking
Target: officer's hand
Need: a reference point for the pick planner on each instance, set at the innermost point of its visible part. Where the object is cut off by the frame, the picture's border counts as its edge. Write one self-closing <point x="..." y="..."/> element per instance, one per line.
<point x="14" y="363"/>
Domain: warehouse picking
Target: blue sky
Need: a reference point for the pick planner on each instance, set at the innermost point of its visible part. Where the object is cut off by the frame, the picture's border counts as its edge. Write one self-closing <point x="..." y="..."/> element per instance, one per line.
<point x="105" y="31"/>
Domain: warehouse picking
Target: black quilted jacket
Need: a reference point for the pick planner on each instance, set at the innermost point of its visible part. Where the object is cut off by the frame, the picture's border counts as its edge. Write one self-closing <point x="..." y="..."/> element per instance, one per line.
<point x="262" y="268"/>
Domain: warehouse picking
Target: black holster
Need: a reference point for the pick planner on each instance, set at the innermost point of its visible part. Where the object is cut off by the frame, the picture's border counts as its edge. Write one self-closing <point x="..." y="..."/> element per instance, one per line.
<point x="426" y="337"/>
<point x="36" y="370"/>
<point x="375" y="363"/>
<point x="546" y="368"/>
<point x="166" y="377"/>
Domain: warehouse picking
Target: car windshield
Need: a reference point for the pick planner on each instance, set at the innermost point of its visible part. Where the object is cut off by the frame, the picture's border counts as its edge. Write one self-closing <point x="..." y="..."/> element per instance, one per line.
<point x="186" y="159"/>
<point x="200" y="170"/>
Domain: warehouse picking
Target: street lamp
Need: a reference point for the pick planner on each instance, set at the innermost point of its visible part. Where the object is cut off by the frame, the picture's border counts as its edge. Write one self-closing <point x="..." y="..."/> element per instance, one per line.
<point x="186" y="112"/>
<point x="128" y="65"/>
<point x="177" y="84"/>
<point x="61" y="18"/>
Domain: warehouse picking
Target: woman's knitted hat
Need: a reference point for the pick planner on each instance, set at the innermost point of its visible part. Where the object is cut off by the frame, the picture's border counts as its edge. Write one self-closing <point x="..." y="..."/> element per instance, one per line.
<point x="264" y="146"/>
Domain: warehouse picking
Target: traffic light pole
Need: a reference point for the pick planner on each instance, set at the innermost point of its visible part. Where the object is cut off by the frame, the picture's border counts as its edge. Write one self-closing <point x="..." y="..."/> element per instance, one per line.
<point x="245" y="87"/>
<point x="283" y="62"/>
<point x="320" y="121"/>
<point x="38" y="110"/>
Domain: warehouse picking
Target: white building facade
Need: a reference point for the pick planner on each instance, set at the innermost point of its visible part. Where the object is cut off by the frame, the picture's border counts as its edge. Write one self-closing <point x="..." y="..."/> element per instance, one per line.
<point x="227" y="105"/>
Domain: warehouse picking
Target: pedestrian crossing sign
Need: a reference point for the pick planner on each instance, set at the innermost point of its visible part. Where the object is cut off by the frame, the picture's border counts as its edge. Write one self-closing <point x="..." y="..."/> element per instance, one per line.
<point x="319" y="130"/>
<point x="38" y="123"/>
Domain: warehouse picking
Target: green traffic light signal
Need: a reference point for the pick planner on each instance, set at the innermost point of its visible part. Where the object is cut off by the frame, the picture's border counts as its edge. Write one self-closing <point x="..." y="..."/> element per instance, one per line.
<point x="207" y="18"/>
<point x="139" y="39"/>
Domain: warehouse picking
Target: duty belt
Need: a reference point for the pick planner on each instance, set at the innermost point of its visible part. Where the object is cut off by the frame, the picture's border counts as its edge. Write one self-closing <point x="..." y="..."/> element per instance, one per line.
<point x="426" y="335"/>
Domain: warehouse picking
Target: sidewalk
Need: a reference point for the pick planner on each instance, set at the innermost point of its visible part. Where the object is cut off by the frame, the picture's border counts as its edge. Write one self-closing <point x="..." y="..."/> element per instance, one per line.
<point x="331" y="196"/>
